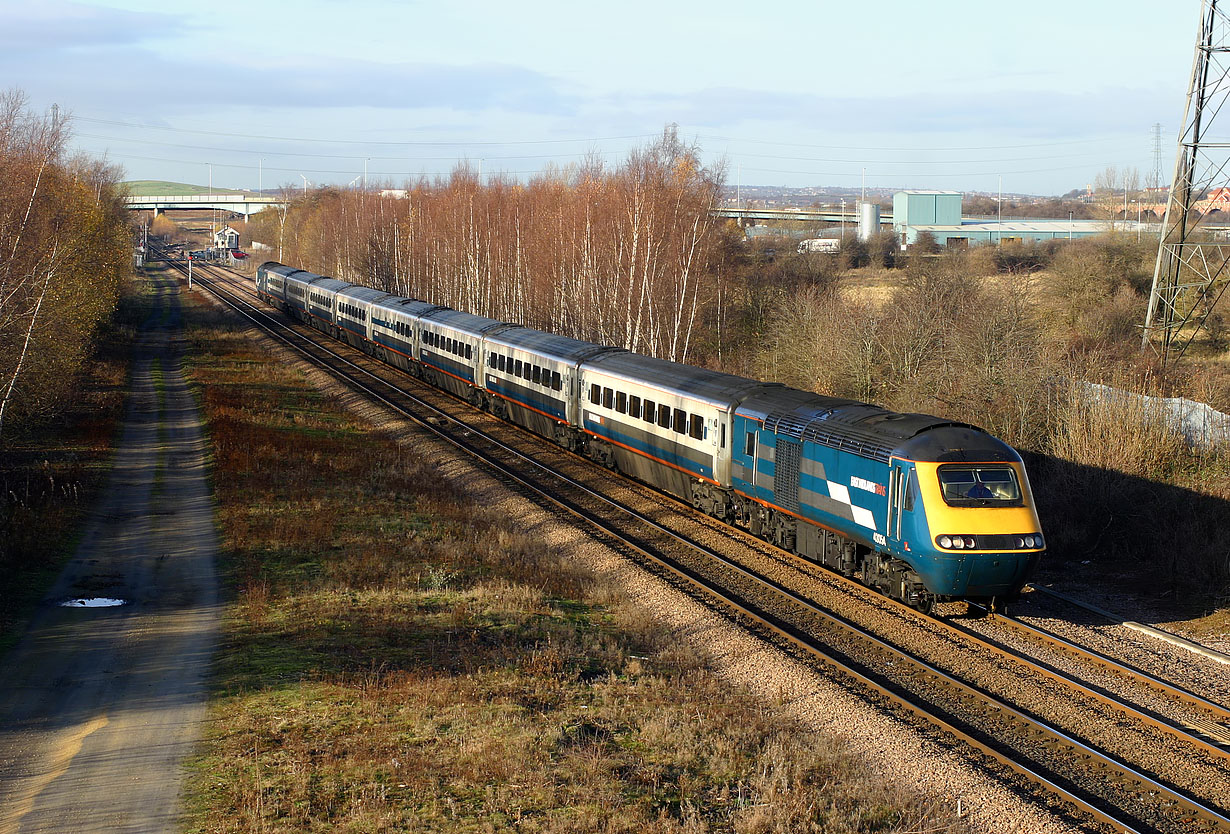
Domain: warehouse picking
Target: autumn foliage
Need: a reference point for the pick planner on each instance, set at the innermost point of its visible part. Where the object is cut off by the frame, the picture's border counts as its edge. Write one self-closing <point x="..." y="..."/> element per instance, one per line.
<point x="64" y="249"/>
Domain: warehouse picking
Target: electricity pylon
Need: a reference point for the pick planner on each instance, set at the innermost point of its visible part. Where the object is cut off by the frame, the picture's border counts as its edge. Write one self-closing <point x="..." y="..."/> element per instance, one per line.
<point x="1191" y="270"/>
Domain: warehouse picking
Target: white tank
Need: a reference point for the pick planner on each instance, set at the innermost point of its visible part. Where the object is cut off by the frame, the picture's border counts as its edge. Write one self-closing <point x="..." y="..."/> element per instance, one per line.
<point x="868" y="220"/>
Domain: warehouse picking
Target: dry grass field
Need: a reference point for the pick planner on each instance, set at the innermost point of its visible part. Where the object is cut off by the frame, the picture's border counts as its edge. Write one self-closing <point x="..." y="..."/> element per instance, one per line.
<point x="396" y="658"/>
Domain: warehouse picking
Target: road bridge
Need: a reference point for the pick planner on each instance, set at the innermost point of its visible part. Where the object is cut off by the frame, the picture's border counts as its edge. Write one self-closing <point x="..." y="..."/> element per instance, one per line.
<point x="240" y="203"/>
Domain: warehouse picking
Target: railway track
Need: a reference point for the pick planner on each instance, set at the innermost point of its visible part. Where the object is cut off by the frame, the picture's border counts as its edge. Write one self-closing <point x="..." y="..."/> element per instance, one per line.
<point x="952" y="697"/>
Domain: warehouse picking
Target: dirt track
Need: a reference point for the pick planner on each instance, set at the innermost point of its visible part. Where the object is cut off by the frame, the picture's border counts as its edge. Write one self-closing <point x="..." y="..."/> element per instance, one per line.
<point x="99" y="706"/>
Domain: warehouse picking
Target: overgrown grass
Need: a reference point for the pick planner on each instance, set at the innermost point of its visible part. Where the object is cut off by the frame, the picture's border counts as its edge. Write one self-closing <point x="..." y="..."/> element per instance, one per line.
<point x="397" y="658"/>
<point x="51" y="470"/>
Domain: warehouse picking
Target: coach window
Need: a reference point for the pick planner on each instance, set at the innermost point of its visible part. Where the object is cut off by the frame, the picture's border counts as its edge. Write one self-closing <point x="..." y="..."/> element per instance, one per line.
<point x="517" y="368"/>
<point x="595" y="394"/>
<point x="681" y="421"/>
<point x="664" y="415"/>
<point x="557" y="382"/>
<point x="634" y="406"/>
<point x="621" y="402"/>
<point x="697" y="427"/>
<point x="537" y="377"/>
<point x="650" y="412"/>
<point x="608" y="398"/>
<point x="490" y="360"/>
<point x="469" y="351"/>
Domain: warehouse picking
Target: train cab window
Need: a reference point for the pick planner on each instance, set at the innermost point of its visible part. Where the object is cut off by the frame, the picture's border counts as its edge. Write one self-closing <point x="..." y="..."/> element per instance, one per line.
<point x="664" y="415"/>
<point x="650" y="413"/>
<point x="595" y="394"/>
<point x="723" y="436"/>
<point x="680" y="423"/>
<point x="696" y="426"/>
<point x="749" y="447"/>
<point x="557" y="382"/>
<point x="621" y="402"/>
<point x="634" y="406"/>
<point x="608" y="398"/>
<point x="911" y="490"/>
<point x="537" y="375"/>
<point x="979" y="486"/>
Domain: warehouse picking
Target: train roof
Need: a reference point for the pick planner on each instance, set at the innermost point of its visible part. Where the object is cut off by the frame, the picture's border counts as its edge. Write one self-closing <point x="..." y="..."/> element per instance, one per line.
<point x="410" y="306"/>
<point x="716" y="388"/>
<point x="457" y="320"/>
<point x="869" y="430"/>
<point x="280" y="269"/>
<point x="559" y="348"/>
<point x="319" y="282"/>
<point x="368" y="294"/>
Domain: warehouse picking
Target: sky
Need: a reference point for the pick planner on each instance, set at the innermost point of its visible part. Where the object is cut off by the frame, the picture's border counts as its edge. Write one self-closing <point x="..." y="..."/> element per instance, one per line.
<point x="1036" y="98"/>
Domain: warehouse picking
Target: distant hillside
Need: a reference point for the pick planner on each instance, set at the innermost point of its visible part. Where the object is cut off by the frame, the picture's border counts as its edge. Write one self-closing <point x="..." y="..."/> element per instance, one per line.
<point x="162" y="188"/>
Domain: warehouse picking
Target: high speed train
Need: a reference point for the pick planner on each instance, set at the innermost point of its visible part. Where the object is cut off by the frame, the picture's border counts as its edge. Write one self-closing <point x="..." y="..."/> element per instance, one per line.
<point x="920" y="508"/>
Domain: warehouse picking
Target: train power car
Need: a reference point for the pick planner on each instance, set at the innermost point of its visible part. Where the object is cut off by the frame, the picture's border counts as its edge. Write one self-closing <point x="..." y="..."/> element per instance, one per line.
<point x="920" y="508"/>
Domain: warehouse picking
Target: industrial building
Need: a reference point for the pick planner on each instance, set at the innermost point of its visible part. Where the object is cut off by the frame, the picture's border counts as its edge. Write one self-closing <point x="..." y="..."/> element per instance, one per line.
<point x="939" y="212"/>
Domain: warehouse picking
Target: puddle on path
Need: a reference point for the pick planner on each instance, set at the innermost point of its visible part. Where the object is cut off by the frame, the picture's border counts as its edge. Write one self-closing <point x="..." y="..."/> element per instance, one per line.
<point x="93" y="602"/>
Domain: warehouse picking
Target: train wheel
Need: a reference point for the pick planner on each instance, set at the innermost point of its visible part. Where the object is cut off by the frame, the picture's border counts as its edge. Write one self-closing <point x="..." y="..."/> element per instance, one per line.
<point x="923" y="603"/>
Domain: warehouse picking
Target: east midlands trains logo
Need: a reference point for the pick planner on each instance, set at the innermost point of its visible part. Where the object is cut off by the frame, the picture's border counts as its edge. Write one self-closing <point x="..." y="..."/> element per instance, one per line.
<point x="867" y="486"/>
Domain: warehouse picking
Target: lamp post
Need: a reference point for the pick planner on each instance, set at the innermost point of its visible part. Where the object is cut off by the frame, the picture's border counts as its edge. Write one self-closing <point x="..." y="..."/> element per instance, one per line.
<point x="365" y="175"/>
<point x="1137" y="220"/>
<point x="843" y="219"/>
<point x="260" y="178"/>
<point x="1069" y="225"/>
<point x="304" y="184"/>
<point x="999" y="215"/>
<point x="213" y="212"/>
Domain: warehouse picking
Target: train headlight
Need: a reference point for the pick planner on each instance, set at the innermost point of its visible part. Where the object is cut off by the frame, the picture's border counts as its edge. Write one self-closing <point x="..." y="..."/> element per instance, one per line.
<point x="1038" y="541"/>
<point x="970" y="543"/>
<point x="1023" y="542"/>
<point x="944" y="541"/>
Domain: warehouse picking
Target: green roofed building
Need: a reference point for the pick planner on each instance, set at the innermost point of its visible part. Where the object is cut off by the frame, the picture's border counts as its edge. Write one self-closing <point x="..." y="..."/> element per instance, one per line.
<point x="939" y="212"/>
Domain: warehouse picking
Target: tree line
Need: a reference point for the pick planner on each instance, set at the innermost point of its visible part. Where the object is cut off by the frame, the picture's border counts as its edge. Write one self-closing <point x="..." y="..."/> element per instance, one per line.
<point x="623" y="255"/>
<point x="65" y="248"/>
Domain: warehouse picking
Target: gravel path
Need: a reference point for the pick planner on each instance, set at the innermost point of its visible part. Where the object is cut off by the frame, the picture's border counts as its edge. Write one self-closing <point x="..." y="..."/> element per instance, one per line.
<point x="101" y="705"/>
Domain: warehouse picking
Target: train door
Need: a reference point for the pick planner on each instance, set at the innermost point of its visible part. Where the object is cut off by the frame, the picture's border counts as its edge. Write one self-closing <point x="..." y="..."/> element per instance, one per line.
<point x="896" y="501"/>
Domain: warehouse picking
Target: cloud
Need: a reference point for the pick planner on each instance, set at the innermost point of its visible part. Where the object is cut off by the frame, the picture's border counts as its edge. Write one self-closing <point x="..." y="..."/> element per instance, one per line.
<point x="1044" y="114"/>
<point x="55" y="26"/>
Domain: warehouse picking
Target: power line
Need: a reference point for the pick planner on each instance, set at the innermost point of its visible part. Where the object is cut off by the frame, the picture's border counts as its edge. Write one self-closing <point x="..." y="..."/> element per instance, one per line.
<point x="265" y="152"/>
<point x="363" y="141"/>
<point x="910" y="148"/>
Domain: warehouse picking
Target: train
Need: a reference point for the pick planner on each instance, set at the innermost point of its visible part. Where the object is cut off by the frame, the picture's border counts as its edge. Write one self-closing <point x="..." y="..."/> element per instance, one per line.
<point x="920" y="508"/>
